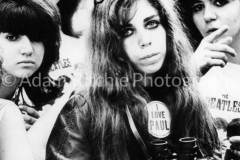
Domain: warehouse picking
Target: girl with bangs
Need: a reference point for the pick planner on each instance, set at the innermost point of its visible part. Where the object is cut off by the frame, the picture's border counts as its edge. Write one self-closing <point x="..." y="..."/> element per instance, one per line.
<point x="30" y="41"/>
<point x="29" y="45"/>
<point x="31" y="27"/>
<point x="135" y="45"/>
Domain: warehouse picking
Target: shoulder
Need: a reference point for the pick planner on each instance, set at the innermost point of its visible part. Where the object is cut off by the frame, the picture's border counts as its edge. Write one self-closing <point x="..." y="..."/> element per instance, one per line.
<point x="4" y="102"/>
<point x="10" y="116"/>
<point x="7" y="106"/>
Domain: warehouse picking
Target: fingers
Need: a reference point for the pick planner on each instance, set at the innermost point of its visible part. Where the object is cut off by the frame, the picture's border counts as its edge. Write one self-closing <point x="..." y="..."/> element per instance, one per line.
<point x="226" y="40"/>
<point x="218" y="56"/>
<point x="216" y="62"/>
<point x="205" y="59"/>
<point x="30" y="111"/>
<point x="28" y="119"/>
<point x="216" y="34"/>
<point x="222" y="48"/>
<point x="213" y="50"/>
<point x="27" y="126"/>
<point x="30" y="115"/>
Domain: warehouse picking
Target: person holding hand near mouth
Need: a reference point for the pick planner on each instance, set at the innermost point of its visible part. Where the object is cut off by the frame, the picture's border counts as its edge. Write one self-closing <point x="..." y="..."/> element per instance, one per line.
<point x="215" y="26"/>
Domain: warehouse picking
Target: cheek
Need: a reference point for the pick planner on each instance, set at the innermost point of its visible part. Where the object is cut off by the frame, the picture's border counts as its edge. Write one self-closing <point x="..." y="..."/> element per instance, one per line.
<point x="41" y="55"/>
<point x="39" y="51"/>
<point x="234" y="21"/>
<point x="198" y="21"/>
<point x="159" y="42"/>
<point x="130" y="48"/>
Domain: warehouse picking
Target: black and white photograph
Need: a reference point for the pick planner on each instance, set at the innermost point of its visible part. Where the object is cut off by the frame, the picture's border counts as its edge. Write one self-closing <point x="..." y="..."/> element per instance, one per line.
<point x="119" y="80"/>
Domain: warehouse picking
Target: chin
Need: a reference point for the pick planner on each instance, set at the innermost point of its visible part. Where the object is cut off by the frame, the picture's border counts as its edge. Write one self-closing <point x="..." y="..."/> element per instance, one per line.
<point x="150" y="72"/>
<point x="152" y="69"/>
<point x="24" y="75"/>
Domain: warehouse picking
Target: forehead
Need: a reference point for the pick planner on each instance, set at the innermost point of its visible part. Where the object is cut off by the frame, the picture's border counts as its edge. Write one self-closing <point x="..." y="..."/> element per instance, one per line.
<point x="144" y="10"/>
<point x="24" y="19"/>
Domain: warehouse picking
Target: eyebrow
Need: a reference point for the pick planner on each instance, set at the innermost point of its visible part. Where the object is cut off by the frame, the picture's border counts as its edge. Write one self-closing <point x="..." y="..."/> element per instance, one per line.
<point x="150" y="17"/>
<point x="145" y="20"/>
<point x="195" y="1"/>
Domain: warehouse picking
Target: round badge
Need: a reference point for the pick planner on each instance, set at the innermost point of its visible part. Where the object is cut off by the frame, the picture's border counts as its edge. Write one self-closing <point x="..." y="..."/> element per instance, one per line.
<point x="159" y="119"/>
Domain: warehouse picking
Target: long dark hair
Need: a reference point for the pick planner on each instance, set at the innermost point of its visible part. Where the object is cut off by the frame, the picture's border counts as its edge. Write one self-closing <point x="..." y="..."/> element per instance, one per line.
<point x="108" y="98"/>
<point x="39" y="20"/>
<point x="185" y="9"/>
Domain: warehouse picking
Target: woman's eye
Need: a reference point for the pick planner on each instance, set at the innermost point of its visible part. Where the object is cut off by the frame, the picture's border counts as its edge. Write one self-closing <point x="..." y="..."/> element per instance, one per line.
<point x="197" y="7"/>
<point x="152" y="24"/>
<point x="127" y="32"/>
<point x="12" y="37"/>
<point x="220" y="3"/>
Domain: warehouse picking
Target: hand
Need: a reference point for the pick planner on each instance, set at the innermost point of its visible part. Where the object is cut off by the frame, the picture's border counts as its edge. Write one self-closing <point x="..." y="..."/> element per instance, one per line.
<point x="235" y="141"/>
<point x="212" y="51"/>
<point x="30" y="115"/>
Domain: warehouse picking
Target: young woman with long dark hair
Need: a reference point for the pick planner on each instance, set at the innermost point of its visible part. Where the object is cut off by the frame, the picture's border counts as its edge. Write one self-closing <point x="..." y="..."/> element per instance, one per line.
<point x="136" y="44"/>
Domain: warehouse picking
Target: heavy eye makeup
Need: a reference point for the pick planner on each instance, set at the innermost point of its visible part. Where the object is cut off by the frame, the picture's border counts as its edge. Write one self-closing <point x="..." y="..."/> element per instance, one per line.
<point x="150" y="23"/>
<point x="199" y="5"/>
<point x="127" y="31"/>
<point x="220" y="3"/>
<point x="153" y="23"/>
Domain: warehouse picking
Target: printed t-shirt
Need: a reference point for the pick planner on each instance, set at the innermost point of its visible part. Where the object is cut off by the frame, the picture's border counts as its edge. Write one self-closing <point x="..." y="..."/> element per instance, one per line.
<point x="221" y="88"/>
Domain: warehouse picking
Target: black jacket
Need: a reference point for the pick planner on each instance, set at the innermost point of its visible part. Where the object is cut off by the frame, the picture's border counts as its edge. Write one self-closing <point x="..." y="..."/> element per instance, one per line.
<point x="68" y="140"/>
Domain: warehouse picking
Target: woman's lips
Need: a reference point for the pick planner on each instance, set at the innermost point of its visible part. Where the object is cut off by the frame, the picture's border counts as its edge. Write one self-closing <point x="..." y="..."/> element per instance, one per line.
<point x="26" y="62"/>
<point x="211" y="31"/>
<point x="149" y="56"/>
<point x="150" y="59"/>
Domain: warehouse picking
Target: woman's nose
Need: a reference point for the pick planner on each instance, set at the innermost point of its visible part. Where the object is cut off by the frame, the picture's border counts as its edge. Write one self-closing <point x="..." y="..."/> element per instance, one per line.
<point x="209" y="14"/>
<point x="144" y="40"/>
<point x="26" y="46"/>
